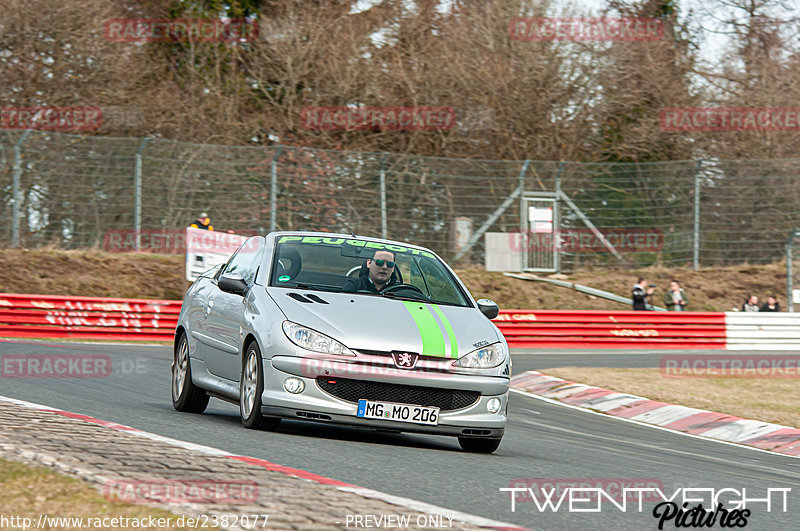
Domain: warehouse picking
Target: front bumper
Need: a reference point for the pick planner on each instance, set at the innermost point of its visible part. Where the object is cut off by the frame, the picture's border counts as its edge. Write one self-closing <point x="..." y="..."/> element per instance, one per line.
<point x="317" y="405"/>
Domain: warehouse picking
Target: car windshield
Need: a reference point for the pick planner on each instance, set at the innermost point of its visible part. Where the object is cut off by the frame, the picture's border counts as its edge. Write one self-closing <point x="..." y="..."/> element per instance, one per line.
<point x="322" y="263"/>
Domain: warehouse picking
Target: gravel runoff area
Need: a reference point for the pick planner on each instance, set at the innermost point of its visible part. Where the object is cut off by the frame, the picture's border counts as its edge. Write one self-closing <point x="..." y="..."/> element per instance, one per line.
<point x="136" y="466"/>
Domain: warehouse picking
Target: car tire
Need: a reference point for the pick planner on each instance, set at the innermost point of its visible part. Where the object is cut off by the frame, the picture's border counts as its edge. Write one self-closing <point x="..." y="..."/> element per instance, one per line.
<point x="251" y="386"/>
<point x="479" y="445"/>
<point x="186" y="396"/>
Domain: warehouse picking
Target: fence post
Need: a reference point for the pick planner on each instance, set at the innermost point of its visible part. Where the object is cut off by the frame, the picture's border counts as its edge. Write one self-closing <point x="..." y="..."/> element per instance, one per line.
<point x="16" y="187"/>
<point x="137" y="194"/>
<point x="696" y="239"/>
<point x="789" y="281"/>
<point x="557" y="220"/>
<point x="273" y="190"/>
<point x="384" y="221"/>
<point x="789" y="300"/>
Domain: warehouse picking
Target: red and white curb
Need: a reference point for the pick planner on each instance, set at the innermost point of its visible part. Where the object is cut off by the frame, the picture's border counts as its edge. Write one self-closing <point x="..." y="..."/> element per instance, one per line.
<point x="717" y="426"/>
<point x="293" y="472"/>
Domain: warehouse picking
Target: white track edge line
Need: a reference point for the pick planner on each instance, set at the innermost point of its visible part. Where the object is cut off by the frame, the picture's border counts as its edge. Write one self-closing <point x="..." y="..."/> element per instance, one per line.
<point x="645" y="424"/>
<point x="408" y="503"/>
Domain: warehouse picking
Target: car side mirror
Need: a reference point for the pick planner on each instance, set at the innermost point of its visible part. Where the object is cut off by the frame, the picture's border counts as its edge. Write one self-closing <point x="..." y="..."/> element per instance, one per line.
<point x="488" y="308"/>
<point x="232" y="284"/>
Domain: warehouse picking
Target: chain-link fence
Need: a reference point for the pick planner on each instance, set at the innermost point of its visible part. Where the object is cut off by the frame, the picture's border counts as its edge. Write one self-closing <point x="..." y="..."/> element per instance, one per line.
<point x="70" y="191"/>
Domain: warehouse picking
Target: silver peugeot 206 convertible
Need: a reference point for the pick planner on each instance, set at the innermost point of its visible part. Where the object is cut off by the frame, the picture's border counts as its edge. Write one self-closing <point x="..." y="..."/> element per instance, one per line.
<point x="346" y="330"/>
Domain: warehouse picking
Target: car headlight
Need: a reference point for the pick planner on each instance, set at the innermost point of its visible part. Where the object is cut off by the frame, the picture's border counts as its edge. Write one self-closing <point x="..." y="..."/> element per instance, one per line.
<point x="483" y="358"/>
<point x="312" y="340"/>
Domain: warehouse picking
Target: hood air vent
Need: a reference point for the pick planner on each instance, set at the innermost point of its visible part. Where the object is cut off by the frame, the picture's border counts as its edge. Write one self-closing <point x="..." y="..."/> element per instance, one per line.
<point x="316" y="298"/>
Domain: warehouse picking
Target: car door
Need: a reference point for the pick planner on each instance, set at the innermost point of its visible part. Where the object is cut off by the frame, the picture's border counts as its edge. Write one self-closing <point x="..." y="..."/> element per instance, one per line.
<point x="197" y="319"/>
<point x="227" y="311"/>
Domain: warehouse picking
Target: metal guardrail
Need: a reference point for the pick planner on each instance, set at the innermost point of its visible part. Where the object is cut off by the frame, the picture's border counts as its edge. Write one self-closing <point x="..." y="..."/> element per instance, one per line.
<point x="67" y="317"/>
<point x="59" y="317"/>
<point x="618" y="329"/>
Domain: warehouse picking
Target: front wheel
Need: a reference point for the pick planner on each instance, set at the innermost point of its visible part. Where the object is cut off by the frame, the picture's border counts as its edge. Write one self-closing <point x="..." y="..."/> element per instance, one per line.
<point x="186" y="396"/>
<point x="251" y="385"/>
<point x="479" y="445"/>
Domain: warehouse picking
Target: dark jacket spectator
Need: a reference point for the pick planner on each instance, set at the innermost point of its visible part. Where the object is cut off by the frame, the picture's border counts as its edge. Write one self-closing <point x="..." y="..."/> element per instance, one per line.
<point x="771" y="305"/>
<point x="640" y="294"/>
<point x="202" y="222"/>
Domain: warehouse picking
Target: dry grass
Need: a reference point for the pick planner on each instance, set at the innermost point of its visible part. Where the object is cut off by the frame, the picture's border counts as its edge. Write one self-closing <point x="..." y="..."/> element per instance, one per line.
<point x="92" y="274"/>
<point x="775" y="400"/>
<point x="30" y="491"/>
<point x="710" y="289"/>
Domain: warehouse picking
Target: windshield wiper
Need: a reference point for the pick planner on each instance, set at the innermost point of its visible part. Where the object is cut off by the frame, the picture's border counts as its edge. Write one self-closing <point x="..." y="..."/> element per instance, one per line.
<point x="410" y="297"/>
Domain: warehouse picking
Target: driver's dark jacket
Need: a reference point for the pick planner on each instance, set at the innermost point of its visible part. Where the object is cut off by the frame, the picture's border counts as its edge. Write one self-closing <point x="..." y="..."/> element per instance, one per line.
<point x="364" y="283"/>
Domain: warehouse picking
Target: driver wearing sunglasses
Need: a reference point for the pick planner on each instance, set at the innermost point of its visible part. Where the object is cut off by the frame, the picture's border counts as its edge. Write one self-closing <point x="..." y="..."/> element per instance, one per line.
<point x="379" y="274"/>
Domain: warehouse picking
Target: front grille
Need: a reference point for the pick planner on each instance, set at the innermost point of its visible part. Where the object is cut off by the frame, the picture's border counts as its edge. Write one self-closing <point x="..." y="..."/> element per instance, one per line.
<point x="355" y="390"/>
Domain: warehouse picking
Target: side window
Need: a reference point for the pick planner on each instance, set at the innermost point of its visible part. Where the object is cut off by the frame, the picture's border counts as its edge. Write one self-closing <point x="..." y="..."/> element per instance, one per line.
<point x="246" y="259"/>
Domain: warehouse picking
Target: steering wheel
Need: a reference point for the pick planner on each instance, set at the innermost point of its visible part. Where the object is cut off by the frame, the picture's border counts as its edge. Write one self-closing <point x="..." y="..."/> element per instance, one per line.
<point x="398" y="287"/>
<point x="353" y="270"/>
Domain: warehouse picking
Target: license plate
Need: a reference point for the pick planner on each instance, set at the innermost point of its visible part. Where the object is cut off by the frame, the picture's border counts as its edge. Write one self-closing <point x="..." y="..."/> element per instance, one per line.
<point x="398" y="412"/>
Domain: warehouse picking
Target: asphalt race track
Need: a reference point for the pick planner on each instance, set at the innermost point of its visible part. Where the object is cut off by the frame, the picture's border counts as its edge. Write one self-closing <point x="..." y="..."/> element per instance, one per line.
<point x="538" y="359"/>
<point x="542" y="440"/>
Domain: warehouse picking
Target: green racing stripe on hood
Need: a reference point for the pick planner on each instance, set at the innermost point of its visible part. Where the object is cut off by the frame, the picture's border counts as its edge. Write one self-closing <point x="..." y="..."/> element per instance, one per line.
<point x="429" y="329"/>
<point x="449" y="328"/>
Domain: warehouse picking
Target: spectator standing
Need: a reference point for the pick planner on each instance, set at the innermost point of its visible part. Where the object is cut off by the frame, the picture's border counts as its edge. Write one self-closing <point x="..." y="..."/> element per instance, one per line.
<point x="751" y="304"/>
<point x="203" y="222"/>
<point x="675" y="299"/>
<point x="771" y="305"/>
<point x="641" y="292"/>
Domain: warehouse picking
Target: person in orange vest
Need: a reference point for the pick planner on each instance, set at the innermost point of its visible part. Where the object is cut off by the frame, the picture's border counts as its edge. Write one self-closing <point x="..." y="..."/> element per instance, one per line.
<point x="203" y="222"/>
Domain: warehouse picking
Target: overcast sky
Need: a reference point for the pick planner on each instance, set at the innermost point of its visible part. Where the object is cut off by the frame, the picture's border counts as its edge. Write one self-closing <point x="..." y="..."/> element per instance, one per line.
<point x="706" y="18"/>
